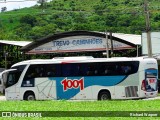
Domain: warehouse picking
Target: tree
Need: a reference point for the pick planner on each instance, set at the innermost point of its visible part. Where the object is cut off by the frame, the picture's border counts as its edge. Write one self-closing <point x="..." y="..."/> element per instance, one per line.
<point x="28" y="19"/>
<point x="99" y="8"/>
<point x="22" y="30"/>
<point x="38" y="32"/>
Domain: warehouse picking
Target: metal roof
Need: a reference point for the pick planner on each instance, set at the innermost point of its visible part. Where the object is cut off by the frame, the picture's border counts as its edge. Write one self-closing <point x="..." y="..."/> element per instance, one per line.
<point x="73" y="33"/>
<point x="135" y="39"/>
<point x="130" y="39"/>
<point x="17" y="43"/>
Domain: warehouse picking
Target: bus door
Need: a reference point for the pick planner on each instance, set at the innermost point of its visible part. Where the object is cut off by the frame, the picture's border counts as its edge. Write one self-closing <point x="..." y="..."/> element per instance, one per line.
<point x="10" y="78"/>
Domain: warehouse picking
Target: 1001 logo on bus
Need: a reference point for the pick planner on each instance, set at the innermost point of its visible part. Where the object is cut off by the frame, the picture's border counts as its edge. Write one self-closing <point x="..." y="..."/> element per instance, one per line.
<point x="75" y="83"/>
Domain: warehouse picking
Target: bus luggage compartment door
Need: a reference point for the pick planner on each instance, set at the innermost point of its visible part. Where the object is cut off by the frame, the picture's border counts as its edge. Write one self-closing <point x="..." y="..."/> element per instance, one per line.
<point x="46" y="88"/>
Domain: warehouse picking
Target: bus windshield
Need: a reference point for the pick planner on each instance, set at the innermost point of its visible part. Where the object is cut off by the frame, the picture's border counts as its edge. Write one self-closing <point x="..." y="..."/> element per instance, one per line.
<point x="13" y="76"/>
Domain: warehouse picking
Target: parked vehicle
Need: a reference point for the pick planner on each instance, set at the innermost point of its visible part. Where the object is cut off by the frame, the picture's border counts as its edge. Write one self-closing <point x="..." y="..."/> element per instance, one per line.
<point x="82" y="78"/>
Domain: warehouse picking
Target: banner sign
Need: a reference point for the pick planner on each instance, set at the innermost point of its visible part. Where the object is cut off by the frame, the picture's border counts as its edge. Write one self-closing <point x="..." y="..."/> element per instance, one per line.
<point x="43" y="114"/>
<point x="78" y="44"/>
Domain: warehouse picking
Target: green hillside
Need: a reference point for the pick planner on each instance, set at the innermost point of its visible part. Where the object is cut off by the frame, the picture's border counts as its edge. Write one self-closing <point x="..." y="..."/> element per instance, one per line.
<point x="124" y="16"/>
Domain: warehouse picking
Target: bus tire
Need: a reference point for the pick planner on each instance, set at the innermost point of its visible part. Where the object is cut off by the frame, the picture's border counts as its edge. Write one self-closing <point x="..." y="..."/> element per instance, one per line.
<point x="104" y="95"/>
<point x="29" y="96"/>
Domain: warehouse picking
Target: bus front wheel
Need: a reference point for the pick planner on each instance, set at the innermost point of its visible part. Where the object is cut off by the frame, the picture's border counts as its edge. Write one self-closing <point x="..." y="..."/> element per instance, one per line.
<point x="104" y="95"/>
<point x="29" y="96"/>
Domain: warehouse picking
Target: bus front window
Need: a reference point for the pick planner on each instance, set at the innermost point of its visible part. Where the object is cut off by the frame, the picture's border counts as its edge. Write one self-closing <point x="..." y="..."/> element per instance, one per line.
<point x="14" y="75"/>
<point x="12" y="78"/>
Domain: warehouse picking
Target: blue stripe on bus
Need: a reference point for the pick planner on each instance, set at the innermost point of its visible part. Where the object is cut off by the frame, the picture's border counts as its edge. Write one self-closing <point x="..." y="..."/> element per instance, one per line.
<point x="88" y="81"/>
<point x="152" y="70"/>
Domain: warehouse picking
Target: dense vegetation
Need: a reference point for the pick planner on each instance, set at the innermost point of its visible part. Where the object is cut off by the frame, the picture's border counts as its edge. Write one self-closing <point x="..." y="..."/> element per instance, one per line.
<point x="124" y="16"/>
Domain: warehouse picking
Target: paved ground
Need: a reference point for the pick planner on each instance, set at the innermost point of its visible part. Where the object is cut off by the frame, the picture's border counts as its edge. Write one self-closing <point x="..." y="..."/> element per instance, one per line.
<point x="3" y="98"/>
<point x="152" y="98"/>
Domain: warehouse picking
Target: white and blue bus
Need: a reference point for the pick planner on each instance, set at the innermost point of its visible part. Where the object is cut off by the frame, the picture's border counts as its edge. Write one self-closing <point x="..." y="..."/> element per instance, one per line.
<point x="82" y="78"/>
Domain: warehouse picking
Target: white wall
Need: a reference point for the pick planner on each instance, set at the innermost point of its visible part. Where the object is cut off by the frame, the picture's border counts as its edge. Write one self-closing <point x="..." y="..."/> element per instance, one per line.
<point x="155" y="40"/>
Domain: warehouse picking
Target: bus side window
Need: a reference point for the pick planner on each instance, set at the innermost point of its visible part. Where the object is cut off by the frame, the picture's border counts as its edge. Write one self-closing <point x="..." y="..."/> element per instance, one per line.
<point x="126" y="69"/>
<point x="30" y="75"/>
<point x="75" y="68"/>
<point x="58" y="71"/>
<point x="102" y="68"/>
<point x="82" y="69"/>
<point x="31" y="72"/>
<point x="66" y="70"/>
<point x="50" y="70"/>
<point x="50" y="73"/>
<point x="39" y="72"/>
<point x="90" y="70"/>
<point x="106" y="71"/>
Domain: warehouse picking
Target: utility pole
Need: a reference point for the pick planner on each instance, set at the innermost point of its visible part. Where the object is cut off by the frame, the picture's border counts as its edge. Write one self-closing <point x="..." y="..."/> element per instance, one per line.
<point x="107" y="46"/>
<point x="111" y="43"/>
<point x="148" y="28"/>
<point x="5" y="57"/>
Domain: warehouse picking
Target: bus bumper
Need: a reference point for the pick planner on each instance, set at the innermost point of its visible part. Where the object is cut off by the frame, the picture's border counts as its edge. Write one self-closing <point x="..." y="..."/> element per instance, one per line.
<point x="151" y="94"/>
<point x="12" y="96"/>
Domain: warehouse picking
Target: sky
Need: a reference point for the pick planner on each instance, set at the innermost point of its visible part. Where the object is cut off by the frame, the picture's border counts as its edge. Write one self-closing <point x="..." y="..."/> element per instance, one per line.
<point x="16" y="4"/>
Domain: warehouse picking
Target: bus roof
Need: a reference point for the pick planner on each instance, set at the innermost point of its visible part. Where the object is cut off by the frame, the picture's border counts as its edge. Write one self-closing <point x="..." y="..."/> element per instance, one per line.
<point x="74" y="58"/>
<point x="83" y="59"/>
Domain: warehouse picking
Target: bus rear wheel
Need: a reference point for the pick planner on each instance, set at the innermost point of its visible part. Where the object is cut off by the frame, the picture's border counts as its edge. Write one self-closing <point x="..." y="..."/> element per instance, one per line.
<point x="29" y="96"/>
<point x="104" y="95"/>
